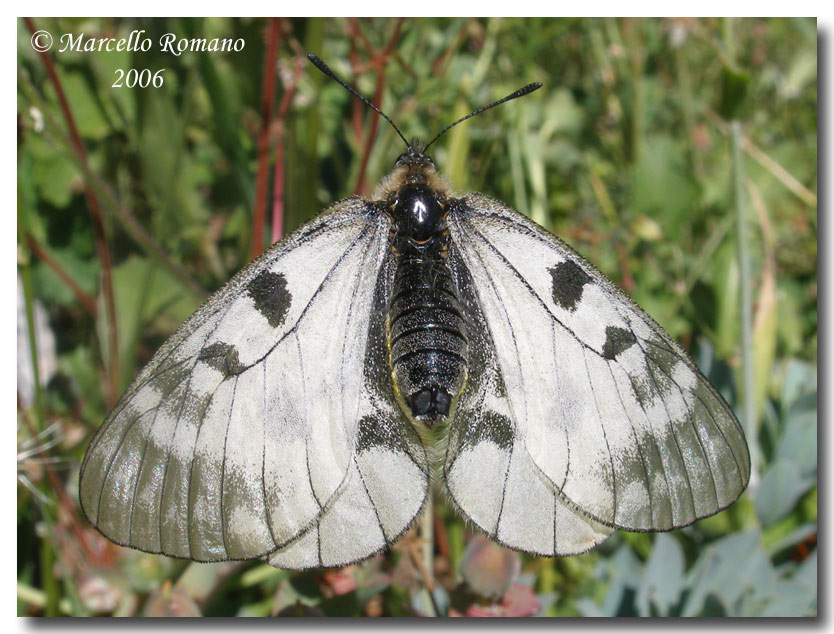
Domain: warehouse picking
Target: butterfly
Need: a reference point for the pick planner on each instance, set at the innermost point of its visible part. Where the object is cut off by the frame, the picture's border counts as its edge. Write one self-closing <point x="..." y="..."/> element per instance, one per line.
<point x="416" y="336"/>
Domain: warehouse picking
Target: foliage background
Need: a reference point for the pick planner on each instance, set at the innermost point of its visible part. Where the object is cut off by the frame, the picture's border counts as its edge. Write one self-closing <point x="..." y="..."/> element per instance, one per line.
<point x="625" y="153"/>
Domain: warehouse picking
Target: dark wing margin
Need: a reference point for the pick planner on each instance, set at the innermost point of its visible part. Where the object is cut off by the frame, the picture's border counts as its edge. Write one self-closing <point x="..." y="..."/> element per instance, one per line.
<point x="611" y="411"/>
<point x="233" y="440"/>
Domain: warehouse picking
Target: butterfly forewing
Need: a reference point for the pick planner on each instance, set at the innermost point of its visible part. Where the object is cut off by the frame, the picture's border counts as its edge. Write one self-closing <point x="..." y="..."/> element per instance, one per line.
<point x="612" y="413"/>
<point x="242" y="428"/>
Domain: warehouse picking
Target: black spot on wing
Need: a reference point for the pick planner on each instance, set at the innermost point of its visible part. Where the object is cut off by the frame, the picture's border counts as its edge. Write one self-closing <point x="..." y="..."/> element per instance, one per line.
<point x="376" y="432"/>
<point x="569" y="280"/>
<point x="222" y="357"/>
<point x="271" y="297"/>
<point x="493" y="427"/>
<point x="617" y="341"/>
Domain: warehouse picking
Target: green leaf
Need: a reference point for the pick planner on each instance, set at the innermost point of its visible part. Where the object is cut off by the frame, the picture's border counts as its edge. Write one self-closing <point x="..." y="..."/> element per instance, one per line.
<point x="144" y="293"/>
<point x="662" y="578"/>
<point x="84" y="105"/>
<point x="719" y="569"/>
<point x="53" y="174"/>
<point x="798" y="444"/>
<point x="807" y="572"/>
<point x="800" y="378"/>
<point x="663" y="187"/>
<point x="780" y="489"/>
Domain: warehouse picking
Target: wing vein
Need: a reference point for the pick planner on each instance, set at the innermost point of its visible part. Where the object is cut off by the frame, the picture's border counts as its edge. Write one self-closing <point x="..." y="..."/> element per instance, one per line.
<point x="660" y="454"/>
<point x="124" y="435"/>
<point x="604" y="437"/>
<point x="674" y="435"/>
<point x="168" y="457"/>
<point x="347" y="330"/>
<point x="636" y="441"/>
<point x="263" y="465"/>
<point x="223" y="470"/>
<point x="512" y="333"/>
<point x="531" y="290"/>
<point x="504" y="492"/>
<point x="371" y="500"/>
<point x="703" y="381"/>
<point x="294" y="329"/>
<point x="564" y="428"/>
<point x="692" y="424"/>
<point x="191" y="502"/>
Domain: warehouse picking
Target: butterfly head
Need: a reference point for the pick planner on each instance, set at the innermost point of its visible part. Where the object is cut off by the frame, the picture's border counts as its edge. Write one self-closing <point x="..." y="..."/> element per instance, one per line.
<point x="415" y="157"/>
<point x="415" y="195"/>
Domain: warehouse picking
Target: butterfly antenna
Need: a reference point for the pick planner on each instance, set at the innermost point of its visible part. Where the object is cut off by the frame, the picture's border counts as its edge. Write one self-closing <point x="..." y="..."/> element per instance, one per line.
<point x="327" y="71"/>
<point x="518" y="93"/>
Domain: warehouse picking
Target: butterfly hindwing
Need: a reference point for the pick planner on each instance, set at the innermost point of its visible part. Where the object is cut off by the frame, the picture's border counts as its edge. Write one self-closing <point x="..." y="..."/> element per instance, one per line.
<point x="610" y="410"/>
<point x="388" y="479"/>
<point x="243" y="428"/>
<point x="488" y="474"/>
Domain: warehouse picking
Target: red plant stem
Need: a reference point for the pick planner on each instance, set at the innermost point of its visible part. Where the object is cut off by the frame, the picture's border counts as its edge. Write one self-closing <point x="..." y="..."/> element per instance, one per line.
<point x="278" y="176"/>
<point x="361" y="184"/>
<point x="88" y="302"/>
<point x="278" y="192"/>
<point x="358" y="107"/>
<point x="379" y="60"/>
<point x="267" y="100"/>
<point x="441" y="60"/>
<point x="98" y="224"/>
<point x="356" y="28"/>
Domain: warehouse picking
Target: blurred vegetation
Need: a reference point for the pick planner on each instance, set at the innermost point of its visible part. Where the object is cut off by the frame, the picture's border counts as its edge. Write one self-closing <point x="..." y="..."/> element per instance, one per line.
<point x="625" y="153"/>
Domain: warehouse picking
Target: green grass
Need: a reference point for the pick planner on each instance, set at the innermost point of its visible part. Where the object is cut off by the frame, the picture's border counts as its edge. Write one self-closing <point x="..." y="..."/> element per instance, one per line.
<point x="625" y="152"/>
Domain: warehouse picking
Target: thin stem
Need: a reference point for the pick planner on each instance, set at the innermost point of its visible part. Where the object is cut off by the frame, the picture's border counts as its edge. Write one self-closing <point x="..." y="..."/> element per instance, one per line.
<point x="279" y="173"/>
<point x="635" y="48"/>
<point x="427" y="540"/>
<point x="379" y="60"/>
<point x="424" y="559"/>
<point x="748" y="377"/>
<point x="97" y="222"/>
<point x="746" y="299"/>
<point x="25" y="268"/>
<point x="688" y="106"/>
<point x="42" y="254"/>
<point x="753" y="151"/>
<point x="267" y="100"/>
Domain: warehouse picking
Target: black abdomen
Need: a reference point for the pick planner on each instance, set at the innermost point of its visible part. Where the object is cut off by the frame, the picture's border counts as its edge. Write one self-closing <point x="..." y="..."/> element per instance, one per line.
<point x="427" y="332"/>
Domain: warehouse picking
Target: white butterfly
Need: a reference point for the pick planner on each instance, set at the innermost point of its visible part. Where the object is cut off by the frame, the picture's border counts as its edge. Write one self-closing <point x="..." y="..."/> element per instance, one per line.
<point x="288" y="418"/>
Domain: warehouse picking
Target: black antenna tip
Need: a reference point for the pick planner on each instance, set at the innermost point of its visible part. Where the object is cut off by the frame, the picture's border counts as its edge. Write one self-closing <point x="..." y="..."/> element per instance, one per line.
<point x="327" y="71"/>
<point x="525" y="91"/>
<point x="518" y="93"/>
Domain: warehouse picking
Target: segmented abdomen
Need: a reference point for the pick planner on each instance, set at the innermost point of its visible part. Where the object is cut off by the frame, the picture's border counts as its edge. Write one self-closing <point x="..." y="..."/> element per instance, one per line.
<point x="427" y="333"/>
